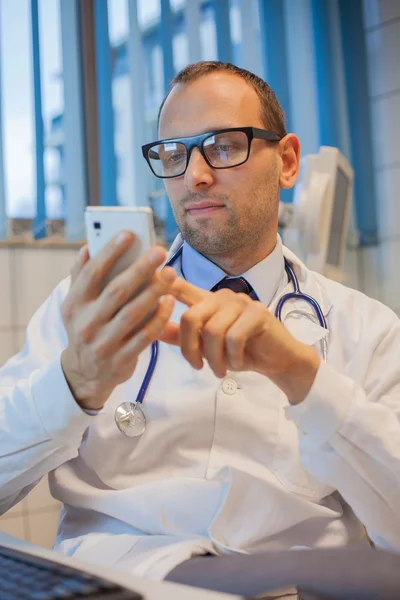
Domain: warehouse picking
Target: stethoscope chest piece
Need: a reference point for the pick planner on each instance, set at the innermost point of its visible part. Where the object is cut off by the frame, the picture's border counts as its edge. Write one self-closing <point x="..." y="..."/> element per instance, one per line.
<point x="130" y="419"/>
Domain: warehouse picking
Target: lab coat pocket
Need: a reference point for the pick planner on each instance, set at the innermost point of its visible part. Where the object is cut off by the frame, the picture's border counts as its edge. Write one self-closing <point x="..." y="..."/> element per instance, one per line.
<point x="287" y="464"/>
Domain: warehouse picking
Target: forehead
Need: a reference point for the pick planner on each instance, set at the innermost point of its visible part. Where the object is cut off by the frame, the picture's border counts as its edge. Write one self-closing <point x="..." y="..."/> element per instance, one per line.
<point x="212" y="101"/>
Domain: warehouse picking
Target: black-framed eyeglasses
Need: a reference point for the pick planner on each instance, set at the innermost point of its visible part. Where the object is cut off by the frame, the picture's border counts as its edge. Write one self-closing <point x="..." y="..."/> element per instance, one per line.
<point x="222" y="149"/>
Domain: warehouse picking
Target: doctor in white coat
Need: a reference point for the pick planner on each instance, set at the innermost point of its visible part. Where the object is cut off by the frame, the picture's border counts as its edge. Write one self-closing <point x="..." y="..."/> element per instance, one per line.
<point x="253" y="442"/>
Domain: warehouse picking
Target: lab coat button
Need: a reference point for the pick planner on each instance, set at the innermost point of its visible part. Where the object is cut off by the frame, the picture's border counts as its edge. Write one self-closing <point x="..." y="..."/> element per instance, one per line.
<point x="229" y="386"/>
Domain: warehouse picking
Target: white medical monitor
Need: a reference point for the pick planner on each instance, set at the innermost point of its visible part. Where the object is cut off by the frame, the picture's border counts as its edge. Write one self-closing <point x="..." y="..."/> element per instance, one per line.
<point x="322" y="202"/>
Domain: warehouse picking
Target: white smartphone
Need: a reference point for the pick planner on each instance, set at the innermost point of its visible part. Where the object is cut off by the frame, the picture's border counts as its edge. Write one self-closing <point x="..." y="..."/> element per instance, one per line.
<point x="104" y="222"/>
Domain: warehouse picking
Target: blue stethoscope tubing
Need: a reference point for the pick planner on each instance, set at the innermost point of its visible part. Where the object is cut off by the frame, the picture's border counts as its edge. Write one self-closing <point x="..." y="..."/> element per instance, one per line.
<point x="296" y="295"/>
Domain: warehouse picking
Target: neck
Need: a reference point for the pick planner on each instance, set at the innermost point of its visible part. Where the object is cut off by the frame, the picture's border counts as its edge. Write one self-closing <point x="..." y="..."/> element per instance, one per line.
<point x="243" y="259"/>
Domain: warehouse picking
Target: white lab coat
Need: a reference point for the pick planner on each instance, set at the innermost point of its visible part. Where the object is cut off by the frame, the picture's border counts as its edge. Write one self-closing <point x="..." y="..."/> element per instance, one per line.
<point x="224" y="465"/>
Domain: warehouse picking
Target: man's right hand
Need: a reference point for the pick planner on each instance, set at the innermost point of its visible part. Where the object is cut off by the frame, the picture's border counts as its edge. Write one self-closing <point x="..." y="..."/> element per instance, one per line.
<point x="109" y="326"/>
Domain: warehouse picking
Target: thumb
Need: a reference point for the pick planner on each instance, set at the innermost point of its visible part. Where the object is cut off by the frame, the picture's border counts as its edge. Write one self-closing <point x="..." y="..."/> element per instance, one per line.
<point x="171" y="334"/>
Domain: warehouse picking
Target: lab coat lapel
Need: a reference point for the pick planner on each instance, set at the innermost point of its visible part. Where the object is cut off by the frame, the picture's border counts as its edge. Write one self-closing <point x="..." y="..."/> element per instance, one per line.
<point x="176" y="244"/>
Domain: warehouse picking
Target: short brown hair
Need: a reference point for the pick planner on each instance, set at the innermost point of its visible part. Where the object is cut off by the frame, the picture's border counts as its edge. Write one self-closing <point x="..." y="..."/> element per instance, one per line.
<point x="271" y="111"/>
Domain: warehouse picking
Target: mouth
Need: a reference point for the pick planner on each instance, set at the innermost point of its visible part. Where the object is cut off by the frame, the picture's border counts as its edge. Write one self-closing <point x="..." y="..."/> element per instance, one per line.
<point x="204" y="208"/>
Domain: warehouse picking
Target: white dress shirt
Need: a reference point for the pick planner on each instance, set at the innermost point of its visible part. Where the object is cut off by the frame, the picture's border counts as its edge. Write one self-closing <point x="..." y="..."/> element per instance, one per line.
<point x="225" y="465"/>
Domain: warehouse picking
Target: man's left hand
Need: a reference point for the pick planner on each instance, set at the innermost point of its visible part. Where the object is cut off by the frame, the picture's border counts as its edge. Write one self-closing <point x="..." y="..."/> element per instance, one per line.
<point x="233" y="332"/>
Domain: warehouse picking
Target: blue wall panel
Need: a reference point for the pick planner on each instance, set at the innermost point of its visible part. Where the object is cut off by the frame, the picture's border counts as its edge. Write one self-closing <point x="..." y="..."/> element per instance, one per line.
<point x="39" y="229"/>
<point x="324" y="63"/>
<point x="273" y="45"/>
<point x="355" y="63"/>
<point x="105" y="114"/>
<point x="222" y="25"/>
<point x="166" y="30"/>
<point x="3" y="214"/>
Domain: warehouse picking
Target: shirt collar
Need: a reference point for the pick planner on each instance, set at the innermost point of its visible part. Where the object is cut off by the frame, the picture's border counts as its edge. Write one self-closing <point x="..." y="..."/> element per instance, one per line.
<point x="266" y="277"/>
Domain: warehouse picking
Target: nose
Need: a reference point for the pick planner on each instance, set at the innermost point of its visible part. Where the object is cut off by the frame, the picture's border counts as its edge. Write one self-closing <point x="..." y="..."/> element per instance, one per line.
<point x="198" y="173"/>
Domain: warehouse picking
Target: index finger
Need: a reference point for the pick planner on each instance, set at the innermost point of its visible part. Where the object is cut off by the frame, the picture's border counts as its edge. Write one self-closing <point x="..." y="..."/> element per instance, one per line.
<point x="90" y="279"/>
<point x="187" y="293"/>
<point x="97" y="267"/>
<point x="81" y="260"/>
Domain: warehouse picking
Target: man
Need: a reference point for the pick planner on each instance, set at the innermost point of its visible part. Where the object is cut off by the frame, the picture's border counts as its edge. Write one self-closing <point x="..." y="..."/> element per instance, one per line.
<point x="253" y="443"/>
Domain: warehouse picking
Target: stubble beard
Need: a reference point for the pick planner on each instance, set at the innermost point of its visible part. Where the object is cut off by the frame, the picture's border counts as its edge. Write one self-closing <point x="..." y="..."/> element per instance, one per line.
<point x="242" y="231"/>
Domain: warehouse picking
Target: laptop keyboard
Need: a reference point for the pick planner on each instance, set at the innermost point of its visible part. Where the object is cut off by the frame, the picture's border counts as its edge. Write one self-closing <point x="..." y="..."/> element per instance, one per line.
<point x="26" y="577"/>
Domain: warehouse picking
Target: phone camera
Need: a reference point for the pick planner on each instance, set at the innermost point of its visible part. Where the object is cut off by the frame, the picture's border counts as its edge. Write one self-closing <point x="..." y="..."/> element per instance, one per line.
<point x="97" y="225"/>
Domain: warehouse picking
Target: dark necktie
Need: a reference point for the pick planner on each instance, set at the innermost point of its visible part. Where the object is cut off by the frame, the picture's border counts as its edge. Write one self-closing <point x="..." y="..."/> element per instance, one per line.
<point x="239" y="285"/>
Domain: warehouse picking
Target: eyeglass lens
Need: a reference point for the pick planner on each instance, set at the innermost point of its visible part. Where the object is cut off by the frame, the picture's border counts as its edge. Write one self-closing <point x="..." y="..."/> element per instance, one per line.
<point x="222" y="150"/>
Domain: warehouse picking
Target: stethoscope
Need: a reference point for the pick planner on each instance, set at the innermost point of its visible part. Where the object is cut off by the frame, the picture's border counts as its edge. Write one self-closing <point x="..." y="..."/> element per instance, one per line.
<point x="129" y="416"/>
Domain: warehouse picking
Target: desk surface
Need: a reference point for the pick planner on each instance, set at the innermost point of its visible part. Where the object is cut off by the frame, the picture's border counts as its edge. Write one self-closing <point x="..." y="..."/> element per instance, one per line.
<point x="151" y="590"/>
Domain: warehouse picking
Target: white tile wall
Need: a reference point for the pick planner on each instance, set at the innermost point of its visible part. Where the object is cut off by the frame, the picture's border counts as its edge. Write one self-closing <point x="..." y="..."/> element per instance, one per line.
<point x="14" y="525"/>
<point x="17" y="509"/>
<point x="371" y="278"/>
<point x="377" y="12"/>
<point x="42" y="527"/>
<point x="35" y="518"/>
<point x="386" y="130"/>
<point x="6" y="316"/>
<point x="7" y="345"/>
<point x="382" y="31"/>
<point x="388" y="192"/>
<point x="390" y="273"/>
<point x="39" y="271"/>
<point x="20" y="334"/>
<point x="383" y="59"/>
<point x="40" y="499"/>
<point x="30" y="274"/>
<point x="351" y="268"/>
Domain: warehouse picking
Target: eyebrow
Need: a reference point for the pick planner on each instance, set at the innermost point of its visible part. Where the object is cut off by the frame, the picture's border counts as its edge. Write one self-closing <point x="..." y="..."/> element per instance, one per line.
<point x="202" y="132"/>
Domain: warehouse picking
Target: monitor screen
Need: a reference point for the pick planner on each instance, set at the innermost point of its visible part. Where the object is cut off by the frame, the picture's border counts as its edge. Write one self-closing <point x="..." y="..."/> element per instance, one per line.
<point x="338" y="218"/>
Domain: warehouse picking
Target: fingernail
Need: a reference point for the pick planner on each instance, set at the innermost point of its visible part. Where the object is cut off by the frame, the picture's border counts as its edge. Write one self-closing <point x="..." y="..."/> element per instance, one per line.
<point x="121" y="238"/>
<point x="156" y="254"/>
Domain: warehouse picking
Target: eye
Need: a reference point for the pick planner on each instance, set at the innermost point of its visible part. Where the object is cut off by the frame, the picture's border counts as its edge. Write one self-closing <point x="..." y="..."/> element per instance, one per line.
<point x="174" y="158"/>
<point x="223" y="148"/>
